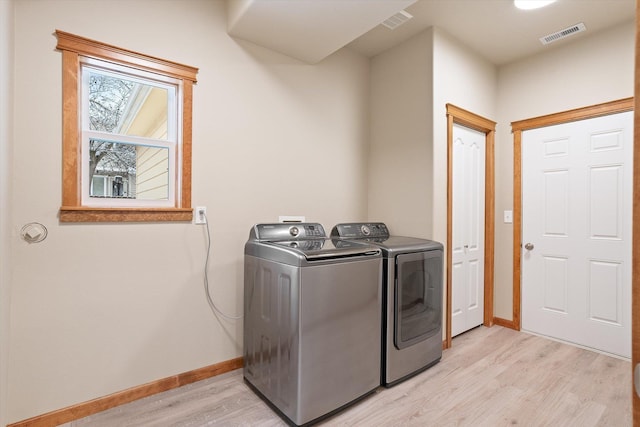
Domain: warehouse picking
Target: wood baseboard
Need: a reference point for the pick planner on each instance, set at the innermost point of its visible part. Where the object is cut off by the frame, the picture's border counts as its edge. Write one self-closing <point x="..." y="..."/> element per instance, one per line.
<point x="100" y="404"/>
<point x="506" y="323"/>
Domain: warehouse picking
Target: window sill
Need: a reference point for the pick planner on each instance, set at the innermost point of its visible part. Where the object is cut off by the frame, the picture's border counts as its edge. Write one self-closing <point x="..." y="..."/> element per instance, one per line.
<point x="90" y="214"/>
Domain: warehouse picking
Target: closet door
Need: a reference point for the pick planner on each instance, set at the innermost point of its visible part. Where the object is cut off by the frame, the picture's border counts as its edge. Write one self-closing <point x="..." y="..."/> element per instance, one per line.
<point x="467" y="277"/>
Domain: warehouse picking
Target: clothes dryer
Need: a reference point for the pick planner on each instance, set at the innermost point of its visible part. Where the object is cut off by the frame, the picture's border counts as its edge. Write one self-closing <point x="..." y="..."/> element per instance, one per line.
<point x="412" y="299"/>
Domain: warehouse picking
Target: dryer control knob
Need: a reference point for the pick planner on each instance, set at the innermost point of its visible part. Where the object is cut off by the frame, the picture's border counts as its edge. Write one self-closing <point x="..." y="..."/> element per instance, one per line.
<point x="294" y="231"/>
<point x="365" y="230"/>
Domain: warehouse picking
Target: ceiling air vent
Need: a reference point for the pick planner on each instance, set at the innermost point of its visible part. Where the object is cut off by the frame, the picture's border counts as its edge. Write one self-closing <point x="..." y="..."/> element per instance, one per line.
<point x="574" y="29"/>
<point x="396" y="20"/>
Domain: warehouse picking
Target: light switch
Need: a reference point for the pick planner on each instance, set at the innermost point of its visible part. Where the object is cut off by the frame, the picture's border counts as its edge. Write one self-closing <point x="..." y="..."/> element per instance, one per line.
<point x="508" y="217"/>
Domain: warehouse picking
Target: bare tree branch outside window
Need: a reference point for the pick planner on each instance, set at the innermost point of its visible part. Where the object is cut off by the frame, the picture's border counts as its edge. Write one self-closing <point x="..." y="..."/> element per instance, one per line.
<point x="108" y="104"/>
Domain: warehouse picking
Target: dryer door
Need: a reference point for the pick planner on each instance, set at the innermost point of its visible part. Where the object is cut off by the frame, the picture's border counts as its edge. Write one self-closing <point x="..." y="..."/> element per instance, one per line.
<point x="418" y="297"/>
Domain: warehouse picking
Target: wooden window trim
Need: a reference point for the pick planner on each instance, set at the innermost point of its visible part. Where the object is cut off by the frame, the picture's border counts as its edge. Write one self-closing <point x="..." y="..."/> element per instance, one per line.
<point x="72" y="48"/>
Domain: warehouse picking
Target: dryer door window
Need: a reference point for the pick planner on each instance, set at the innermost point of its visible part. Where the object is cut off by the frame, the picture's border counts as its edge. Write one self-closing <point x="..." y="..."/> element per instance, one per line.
<point x="418" y="297"/>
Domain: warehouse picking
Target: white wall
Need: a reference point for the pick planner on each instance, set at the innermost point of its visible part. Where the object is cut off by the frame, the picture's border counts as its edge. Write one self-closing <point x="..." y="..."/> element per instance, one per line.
<point x="6" y="131"/>
<point x="400" y="159"/>
<point x="410" y="87"/>
<point x="406" y="153"/>
<point x="466" y="80"/>
<point x="595" y="69"/>
<point x="98" y="308"/>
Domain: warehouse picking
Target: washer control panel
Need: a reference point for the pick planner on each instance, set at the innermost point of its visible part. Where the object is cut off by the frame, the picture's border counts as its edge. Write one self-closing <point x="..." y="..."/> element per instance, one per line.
<point x="361" y="230"/>
<point x="284" y="231"/>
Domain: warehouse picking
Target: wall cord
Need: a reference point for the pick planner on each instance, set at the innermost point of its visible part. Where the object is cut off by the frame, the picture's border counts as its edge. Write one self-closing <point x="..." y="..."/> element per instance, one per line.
<point x="214" y="308"/>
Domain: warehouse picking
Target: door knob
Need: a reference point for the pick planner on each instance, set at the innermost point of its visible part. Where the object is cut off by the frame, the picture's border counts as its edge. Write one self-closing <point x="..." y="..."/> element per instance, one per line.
<point x="528" y="246"/>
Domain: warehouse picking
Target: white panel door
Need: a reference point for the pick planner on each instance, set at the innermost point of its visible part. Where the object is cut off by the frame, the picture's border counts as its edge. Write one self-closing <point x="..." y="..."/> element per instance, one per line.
<point x="576" y="232"/>
<point x="467" y="237"/>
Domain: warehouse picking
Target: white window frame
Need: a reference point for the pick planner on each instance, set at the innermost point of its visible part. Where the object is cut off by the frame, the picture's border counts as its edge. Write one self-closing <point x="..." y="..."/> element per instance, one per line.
<point x="172" y="142"/>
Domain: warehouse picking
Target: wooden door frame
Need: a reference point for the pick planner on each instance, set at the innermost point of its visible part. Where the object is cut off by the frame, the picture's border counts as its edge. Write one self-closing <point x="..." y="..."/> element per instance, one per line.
<point x="593" y="111"/>
<point x="488" y="127"/>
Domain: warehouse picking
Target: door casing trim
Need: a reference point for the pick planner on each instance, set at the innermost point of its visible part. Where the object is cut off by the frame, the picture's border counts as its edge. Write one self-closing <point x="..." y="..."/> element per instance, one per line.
<point x="517" y="127"/>
<point x="468" y="119"/>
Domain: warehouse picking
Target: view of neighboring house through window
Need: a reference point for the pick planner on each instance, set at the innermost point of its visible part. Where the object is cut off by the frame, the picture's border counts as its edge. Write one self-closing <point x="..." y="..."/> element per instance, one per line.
<point x="129" y="136"/>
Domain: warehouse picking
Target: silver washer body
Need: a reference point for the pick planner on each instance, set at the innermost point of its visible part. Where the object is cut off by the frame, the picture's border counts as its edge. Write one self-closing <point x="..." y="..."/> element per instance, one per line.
<point x="312" y="320"/>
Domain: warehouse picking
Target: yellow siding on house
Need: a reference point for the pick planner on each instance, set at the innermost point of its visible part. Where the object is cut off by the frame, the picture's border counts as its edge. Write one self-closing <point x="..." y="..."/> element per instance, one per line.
<point x="152" y="177"/>
<point x="152" y="163"/>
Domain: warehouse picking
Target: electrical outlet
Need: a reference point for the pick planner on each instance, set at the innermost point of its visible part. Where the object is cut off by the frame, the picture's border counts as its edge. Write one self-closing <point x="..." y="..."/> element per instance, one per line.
<point x="200" y="215"/>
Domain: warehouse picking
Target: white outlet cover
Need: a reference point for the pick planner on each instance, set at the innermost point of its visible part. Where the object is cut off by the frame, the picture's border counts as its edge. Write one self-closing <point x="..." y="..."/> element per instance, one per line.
<point x="508" y="217"/>
<point x="291" y="218"/>
<point x="197" y="218"/>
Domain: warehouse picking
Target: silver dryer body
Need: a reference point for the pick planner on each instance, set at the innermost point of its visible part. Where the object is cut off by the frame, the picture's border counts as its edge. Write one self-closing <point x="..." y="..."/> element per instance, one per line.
<point x="312" y="320"/>
<point x="412" y="305"/>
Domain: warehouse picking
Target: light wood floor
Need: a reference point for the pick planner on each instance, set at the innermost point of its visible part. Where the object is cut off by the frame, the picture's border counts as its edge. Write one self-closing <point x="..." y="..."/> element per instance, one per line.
<point x="490" y="377"/>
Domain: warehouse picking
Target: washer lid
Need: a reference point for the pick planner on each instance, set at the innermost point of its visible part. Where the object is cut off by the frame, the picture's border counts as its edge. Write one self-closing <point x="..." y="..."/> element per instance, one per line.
<point x="405" y="244"/>
<point x="377" y="233"/>
<point x="303" y="244"/>
<point x="318" y="249"/>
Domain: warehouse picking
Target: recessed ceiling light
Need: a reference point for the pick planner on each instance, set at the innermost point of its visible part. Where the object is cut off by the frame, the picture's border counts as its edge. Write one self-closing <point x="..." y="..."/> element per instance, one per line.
<point x="531" y="4"/>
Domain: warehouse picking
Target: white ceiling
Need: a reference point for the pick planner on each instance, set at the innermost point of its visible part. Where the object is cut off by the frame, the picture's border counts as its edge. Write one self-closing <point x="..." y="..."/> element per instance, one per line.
<point x="310" y="30"/>
<point x="495" y="28"/>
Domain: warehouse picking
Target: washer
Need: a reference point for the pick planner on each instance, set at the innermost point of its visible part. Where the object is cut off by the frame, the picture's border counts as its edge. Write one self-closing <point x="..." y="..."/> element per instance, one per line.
<point x="412" y="303"/>
<point x="312" y="319"/>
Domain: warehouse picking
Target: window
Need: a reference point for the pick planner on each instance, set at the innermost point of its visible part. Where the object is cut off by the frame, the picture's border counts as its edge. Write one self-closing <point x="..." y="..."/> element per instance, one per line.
<point x="126" y="134"/>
